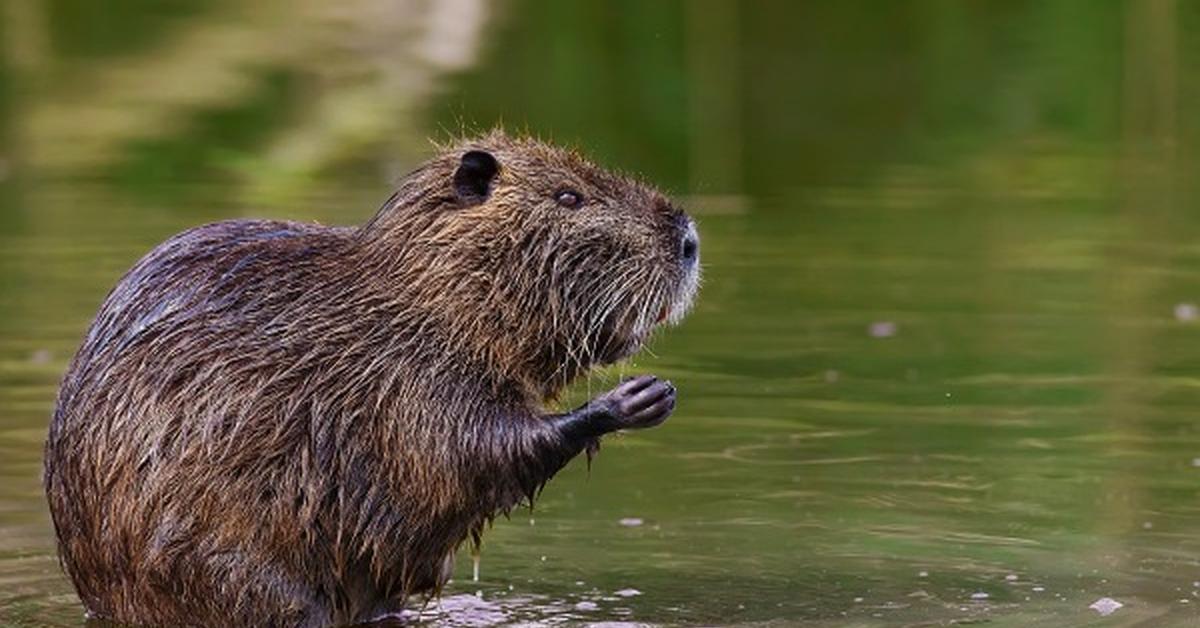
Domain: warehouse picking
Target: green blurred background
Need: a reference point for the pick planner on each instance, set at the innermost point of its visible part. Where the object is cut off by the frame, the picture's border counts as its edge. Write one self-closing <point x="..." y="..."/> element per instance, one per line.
<point x="945" y="367"/>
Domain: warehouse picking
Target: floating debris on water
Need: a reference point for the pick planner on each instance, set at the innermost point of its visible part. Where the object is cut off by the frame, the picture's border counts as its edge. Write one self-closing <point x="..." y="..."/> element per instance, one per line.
<point x="858" y="599"/>
<point x="882" y="329"/>
<point x="1012" y="577"/>
<point x="922" y="574"/>
<point x="1186" y="312"/>
<point x="1038" y="589"/>
<point x="980" y="595"/>
<point x="586" y="606"/>
<point x="631" y="522"/>
<point x="627" y="592"/>
<point x="1106" y="606"/>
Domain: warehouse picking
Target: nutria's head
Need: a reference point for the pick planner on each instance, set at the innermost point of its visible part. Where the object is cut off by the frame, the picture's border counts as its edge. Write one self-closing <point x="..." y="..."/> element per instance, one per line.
<point x="538" y="261"/>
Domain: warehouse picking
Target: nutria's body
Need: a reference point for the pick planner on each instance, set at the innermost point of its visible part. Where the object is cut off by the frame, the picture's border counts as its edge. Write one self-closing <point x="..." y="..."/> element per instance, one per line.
<point x="275" y="423"/>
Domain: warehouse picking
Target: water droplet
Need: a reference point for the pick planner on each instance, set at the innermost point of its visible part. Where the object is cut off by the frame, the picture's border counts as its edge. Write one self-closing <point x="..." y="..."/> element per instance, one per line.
<point x="882" y="329"/>
<point x="1105" y="606"/>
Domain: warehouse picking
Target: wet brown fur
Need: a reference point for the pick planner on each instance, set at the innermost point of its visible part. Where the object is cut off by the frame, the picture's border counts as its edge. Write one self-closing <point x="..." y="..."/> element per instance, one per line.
<point x="276" y="423"/>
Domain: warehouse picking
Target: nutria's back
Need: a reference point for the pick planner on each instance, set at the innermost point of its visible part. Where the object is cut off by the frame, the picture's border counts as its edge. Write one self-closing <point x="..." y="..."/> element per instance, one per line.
<point x="277" y="423"/>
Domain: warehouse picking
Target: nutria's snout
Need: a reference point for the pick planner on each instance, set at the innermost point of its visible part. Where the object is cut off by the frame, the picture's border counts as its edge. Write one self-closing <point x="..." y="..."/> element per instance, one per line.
<point x="689" y="245"/>
<point x="689" y="262"/>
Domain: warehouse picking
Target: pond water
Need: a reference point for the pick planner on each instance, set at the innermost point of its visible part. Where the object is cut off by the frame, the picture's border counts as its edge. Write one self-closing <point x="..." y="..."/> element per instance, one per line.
<point x="945" y="367"/>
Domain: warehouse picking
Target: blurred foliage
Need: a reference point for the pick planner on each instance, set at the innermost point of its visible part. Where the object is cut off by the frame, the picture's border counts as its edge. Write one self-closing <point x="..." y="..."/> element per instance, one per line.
<point x="88" y="30"/>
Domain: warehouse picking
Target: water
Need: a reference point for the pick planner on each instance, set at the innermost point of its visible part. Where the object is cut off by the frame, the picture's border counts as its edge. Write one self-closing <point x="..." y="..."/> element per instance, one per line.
<point x="944" y="367"/>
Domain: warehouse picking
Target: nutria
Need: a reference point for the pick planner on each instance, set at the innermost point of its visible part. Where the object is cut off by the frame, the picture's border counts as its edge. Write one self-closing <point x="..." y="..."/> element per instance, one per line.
<point x="285" y="424"/>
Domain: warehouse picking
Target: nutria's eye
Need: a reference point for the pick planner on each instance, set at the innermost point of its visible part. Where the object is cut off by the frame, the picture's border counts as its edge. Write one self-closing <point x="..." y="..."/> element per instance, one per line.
<point x="568" y="198"/>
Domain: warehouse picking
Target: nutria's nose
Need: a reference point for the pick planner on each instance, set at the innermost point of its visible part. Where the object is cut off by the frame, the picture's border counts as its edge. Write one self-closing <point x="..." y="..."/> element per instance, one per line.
<point x="689" y="246"/>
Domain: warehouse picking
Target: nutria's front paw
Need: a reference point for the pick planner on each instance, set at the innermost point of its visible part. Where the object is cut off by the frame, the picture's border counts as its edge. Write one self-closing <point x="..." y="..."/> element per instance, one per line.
<point x="637" y="403"/>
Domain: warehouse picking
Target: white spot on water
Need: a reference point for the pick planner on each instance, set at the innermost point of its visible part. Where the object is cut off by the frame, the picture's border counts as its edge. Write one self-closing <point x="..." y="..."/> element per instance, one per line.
<point x="832" y="376"/>
<point x="630" y="592"/>
<point x="980" y="595"/>
<point x="1105" y="606"/>
<point x="1038" y="589"/>
<point x="858" y="599"/>
<point x="631" y="522"/>
<point x="922" y="574"/>
<point x="1186" y="312"/>
<point x="1146" y="525"/>
<point x="1012" y="577"/>
<point x="586" y="606"/>
<point x="882" y="329"/>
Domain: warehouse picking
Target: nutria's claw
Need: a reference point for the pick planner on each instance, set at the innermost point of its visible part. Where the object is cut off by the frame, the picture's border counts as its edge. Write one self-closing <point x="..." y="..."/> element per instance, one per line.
<point x="641" y="402"/>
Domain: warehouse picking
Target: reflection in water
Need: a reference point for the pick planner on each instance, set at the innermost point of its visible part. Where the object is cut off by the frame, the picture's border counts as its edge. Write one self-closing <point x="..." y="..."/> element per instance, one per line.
<point x="943" y="368"/>
<point x="468" y="611"/>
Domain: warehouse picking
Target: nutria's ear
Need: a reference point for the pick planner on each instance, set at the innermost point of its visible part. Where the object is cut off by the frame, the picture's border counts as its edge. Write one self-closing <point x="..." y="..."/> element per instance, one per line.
<point x="474" y="176"/>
